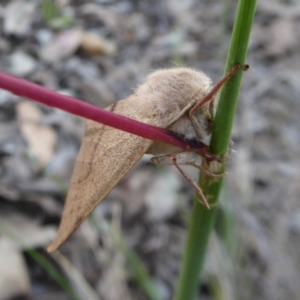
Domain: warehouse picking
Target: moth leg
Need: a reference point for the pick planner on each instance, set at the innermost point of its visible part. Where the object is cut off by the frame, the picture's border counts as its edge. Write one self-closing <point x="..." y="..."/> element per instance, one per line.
<point x="183" y="111"/>
<point x="193" y="183"/>
<point x="228" y="154"/>
<point x="200" y="132"/>
<point x="165" y="159"/>
<point x="168" y="160"/>
<point x="220" y="159"/>
<point x="171" y="159"/>
<point x="202" y="169"/>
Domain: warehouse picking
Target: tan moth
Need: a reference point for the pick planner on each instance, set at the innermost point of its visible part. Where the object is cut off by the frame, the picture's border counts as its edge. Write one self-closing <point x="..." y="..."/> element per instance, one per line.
<point x="179" y="99"/>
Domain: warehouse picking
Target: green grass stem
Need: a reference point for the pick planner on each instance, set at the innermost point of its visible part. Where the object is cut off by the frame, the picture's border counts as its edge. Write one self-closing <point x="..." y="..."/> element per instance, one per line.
<point x="202" y="220"/>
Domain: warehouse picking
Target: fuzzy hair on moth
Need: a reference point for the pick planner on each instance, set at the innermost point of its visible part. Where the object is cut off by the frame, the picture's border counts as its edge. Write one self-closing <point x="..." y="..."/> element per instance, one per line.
<point x="180" y="100"/>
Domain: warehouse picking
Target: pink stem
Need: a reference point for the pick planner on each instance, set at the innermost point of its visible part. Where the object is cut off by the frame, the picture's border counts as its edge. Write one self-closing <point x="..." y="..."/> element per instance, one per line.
<point x="74" y="106"/>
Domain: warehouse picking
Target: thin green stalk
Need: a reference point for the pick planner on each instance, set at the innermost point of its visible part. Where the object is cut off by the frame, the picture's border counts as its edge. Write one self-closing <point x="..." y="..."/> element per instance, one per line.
<point x="202" y="220"/>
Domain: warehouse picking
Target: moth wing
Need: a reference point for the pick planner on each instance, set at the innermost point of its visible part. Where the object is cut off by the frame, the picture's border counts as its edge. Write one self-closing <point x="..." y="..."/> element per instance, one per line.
<point x="105" y="156"/>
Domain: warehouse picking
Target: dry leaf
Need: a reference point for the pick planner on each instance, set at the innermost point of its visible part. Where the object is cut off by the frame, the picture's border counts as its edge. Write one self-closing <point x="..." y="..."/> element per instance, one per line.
<point x="63" y="46"/>
<point x="29" y="232"/>
<point x="18" y="17"/>
<point x="282" y="37"/>
<point x="93" y="44"/>
<point x="21" y="64"/>
<point x="41" y="139"/>
<point x="14" y="278"/>
<point x="33" y="235"/>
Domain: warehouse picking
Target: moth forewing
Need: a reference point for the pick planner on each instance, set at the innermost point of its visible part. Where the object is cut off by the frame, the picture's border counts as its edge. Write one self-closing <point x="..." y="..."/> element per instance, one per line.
<point x="107" y="154"/>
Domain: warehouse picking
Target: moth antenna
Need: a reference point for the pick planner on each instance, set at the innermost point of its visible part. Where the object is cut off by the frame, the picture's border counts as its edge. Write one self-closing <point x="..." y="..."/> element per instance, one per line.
<point x="210" y="96"/>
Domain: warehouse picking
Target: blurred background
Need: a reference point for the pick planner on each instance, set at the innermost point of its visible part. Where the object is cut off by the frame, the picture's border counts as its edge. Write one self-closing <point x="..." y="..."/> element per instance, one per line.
<point x="99" y="51"/>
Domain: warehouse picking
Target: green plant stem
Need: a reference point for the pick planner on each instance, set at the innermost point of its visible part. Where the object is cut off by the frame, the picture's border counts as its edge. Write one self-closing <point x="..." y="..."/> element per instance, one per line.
<point x="202" y="220"/>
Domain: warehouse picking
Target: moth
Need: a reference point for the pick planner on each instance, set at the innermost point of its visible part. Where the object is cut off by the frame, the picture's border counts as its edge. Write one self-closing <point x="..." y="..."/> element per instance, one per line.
<point x="180" y="100"/>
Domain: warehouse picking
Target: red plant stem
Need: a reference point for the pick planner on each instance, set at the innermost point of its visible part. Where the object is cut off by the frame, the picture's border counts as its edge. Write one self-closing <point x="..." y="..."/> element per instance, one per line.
<point x="74" y="106"/>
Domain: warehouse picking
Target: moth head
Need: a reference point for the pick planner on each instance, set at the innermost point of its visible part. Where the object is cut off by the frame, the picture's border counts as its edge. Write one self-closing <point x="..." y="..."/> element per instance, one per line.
<point x="167" y="92"/>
